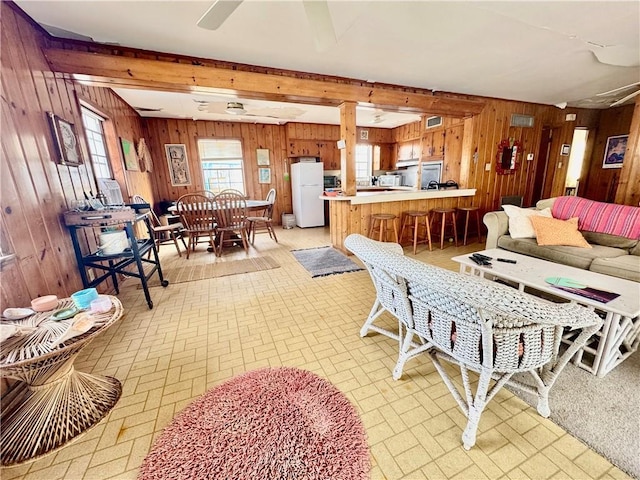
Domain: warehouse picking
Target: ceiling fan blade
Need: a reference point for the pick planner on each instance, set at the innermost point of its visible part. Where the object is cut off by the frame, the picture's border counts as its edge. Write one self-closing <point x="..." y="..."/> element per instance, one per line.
<point x="617" y="89"/>
<point x="622" y="100"/>
<point x="321" y="24"/>
<point x="217" y="13"/>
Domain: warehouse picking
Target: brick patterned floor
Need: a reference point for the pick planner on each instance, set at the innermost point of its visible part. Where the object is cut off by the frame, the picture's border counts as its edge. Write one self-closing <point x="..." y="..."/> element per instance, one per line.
<point x="202" y="333"/>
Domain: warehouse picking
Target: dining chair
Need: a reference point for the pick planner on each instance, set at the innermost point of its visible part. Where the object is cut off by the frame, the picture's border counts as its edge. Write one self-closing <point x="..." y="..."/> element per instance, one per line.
<point x="231" y="220"/>
<point x="263" y="223"/>
<point x="163" y="233"/>
<point x="198" y="218"/>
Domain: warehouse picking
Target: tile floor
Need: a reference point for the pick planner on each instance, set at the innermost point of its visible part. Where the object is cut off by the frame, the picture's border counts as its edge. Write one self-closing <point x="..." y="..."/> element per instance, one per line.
<point x="202" y="333"/>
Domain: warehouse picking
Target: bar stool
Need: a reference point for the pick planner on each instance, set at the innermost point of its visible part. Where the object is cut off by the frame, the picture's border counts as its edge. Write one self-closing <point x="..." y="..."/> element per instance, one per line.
<point x="469" y="210"/>
<point x="443" y="220"/>
<point x="411" y="221"/>
<point x="379" y="223"/>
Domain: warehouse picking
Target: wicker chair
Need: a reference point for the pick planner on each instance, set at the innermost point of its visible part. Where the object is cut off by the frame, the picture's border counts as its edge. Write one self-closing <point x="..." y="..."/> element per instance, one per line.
<point x="231" y="219"/>
<point x="481" y="326"/>
<point x="391" y="296"/>
<point x="197" y="216"/>
<point x="263" y="223"/>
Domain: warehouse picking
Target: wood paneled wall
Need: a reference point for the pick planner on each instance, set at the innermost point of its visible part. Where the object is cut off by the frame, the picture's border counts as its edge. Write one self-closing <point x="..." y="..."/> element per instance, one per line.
<point x="35" y="189"/>
<point x="601" y="183"/>
<point x="629" y="187"/>
<point x="253" y="136"/>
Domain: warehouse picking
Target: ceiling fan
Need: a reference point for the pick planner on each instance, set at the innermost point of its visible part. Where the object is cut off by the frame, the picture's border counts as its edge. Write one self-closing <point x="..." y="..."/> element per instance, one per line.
<point x="623" y="99"/>
<point x="317" y="12"/>
<point x="238" y="109"/>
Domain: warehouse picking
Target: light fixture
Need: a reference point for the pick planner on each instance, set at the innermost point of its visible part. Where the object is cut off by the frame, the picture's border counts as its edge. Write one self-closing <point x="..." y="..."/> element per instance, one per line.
<point x="235" y="108"/>
<point x="561" y="105"/>
<point x="377" y="119"/>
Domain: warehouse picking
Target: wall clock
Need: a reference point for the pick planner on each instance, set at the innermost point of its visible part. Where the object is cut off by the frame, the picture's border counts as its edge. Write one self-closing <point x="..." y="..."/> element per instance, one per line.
<point x="66" y="140"/>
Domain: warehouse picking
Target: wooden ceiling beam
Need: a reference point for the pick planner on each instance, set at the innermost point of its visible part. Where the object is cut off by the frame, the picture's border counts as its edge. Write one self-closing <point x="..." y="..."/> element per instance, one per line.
<point x="127" y="72"/>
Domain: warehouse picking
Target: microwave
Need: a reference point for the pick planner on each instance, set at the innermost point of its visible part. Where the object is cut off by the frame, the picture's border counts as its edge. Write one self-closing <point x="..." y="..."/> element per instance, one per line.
<point x="389" y="180"/>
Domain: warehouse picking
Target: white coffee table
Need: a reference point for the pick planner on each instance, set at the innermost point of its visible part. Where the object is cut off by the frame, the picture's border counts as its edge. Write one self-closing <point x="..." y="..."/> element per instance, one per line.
<point x="620" y="333"/>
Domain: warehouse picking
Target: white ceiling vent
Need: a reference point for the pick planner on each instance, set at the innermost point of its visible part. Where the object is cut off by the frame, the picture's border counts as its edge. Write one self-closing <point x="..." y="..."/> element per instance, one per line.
<point x="434" y="122"/>
<point x="518" y="120"/>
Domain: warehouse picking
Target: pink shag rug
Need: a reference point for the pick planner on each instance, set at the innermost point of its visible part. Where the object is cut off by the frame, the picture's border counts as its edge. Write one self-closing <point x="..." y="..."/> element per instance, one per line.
<point x="272" y="423"/>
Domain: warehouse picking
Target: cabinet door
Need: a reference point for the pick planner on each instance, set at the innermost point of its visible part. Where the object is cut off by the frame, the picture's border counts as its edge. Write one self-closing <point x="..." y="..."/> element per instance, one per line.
<point x="405" y="151"/>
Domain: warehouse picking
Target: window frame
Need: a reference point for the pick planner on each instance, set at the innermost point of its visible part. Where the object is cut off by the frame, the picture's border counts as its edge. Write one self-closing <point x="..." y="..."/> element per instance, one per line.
<point x="89" y="133"/>
<point x="218" y="186"/>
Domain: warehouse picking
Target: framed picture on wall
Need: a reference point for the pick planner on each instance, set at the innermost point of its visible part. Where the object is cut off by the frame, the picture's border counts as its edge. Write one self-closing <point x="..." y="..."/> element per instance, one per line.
<point x="263" y="156"/>
<point x="614" y="151"/>
<point x="129" y="155"/>
<point x="178" y="164"/>
<point x="66" y="140"/>
<point x="264" y="175"/>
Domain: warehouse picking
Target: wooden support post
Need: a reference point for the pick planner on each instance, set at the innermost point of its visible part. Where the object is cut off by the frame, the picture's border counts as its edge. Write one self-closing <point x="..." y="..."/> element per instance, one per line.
<point x="348" y="152"/>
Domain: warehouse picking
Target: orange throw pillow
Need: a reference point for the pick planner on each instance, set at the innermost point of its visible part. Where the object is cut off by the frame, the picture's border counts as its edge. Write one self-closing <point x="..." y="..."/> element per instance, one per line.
<point x="551" y="231"/>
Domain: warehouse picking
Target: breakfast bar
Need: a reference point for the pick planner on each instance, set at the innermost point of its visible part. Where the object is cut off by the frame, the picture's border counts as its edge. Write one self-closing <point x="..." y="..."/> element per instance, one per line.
<point x="352" y="214"/>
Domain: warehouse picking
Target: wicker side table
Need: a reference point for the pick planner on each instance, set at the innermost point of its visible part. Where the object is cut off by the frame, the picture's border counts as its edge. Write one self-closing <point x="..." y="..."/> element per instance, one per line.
<point x="53" y="403"/>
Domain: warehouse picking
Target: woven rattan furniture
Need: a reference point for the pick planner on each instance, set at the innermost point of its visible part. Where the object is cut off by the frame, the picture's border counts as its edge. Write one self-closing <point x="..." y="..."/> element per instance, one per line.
<point x="264" y="223"/>
<point x="380" y="226"/>
<point x="411" y="220"/>
<point x="391" y="296"/>
<point x="52" y="403"/>
<point x="479" y="325"/>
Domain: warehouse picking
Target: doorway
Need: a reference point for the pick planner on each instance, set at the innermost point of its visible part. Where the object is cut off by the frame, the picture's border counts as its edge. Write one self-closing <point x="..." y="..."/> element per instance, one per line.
<point x="542" y="164"/>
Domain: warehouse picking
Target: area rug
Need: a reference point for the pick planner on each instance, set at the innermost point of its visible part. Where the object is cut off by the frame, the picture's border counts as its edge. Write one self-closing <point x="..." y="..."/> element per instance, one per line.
<point x="604" y="413"/>
<point x="273" y="423"/>
<point x="190" y="273"/>
<point x="324" y="261"/>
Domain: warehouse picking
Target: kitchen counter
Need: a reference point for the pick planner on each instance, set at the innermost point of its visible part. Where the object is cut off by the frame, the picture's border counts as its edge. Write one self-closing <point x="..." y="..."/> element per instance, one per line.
<point x="376" y="188"/>
<point x="352" y="214"/>
<point x="400" y="194"/>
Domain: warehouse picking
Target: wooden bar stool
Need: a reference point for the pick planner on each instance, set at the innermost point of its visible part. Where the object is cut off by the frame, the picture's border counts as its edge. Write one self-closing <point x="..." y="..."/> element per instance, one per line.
<point x="469" y="210"/>
<point x="443" y="212"/>
<point x="411" y="221"/>
<point x="379" y="224"/>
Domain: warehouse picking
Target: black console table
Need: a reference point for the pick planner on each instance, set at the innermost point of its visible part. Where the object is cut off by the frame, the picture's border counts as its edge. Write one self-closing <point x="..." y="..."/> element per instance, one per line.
<point x="112" y="265"/>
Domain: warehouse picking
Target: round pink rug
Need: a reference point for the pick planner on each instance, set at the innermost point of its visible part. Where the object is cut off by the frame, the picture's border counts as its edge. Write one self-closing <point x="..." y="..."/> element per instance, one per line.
<point x="272" y="423"/>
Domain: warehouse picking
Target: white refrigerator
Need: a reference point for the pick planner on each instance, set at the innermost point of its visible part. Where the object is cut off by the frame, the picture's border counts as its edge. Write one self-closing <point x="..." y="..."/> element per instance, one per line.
<point x="307" y="185"/>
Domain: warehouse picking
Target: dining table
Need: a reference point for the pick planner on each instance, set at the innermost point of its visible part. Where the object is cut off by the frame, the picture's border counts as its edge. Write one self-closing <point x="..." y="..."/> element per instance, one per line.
<point x="252" y="206"/>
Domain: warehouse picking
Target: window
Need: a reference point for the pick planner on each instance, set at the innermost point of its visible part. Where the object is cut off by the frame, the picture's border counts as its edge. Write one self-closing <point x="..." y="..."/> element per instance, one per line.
<point x="364" y="160"/>
<point x="97" y="145"/>
<point x="222" y="164"/>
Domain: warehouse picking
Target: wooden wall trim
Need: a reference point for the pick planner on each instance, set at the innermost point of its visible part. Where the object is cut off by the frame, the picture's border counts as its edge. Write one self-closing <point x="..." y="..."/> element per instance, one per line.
<point x="118" y="71"/>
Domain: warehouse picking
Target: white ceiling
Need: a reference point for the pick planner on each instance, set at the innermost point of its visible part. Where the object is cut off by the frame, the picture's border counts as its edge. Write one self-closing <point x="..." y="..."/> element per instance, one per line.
<point x="543" y="52"/>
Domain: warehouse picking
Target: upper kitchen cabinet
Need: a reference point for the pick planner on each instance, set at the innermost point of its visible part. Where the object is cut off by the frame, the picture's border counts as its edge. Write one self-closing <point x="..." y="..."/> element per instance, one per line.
<point x="410" y="150"/>
<point x="433" y="144"/>
<point x="383" y="157"/>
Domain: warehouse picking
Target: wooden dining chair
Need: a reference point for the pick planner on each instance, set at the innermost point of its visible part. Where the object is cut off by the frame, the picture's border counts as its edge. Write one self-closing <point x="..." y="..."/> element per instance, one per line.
<point x="198" y="218"/>
<point x="263" y="223"/>
<point x="231" y="220"/>
<point x="163" y="233"/>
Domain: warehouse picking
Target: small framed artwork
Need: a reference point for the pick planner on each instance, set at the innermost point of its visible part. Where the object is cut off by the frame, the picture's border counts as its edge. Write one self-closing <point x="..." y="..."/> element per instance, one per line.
<point x="566" y="148"/>
<point x="129" y="154"/>
<point x="264" y="175"/>
<point x="614" y="151"/>
<point x="178" y="164"/>
<point x="263" y="156"/>
<point x="66" y="140"/>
